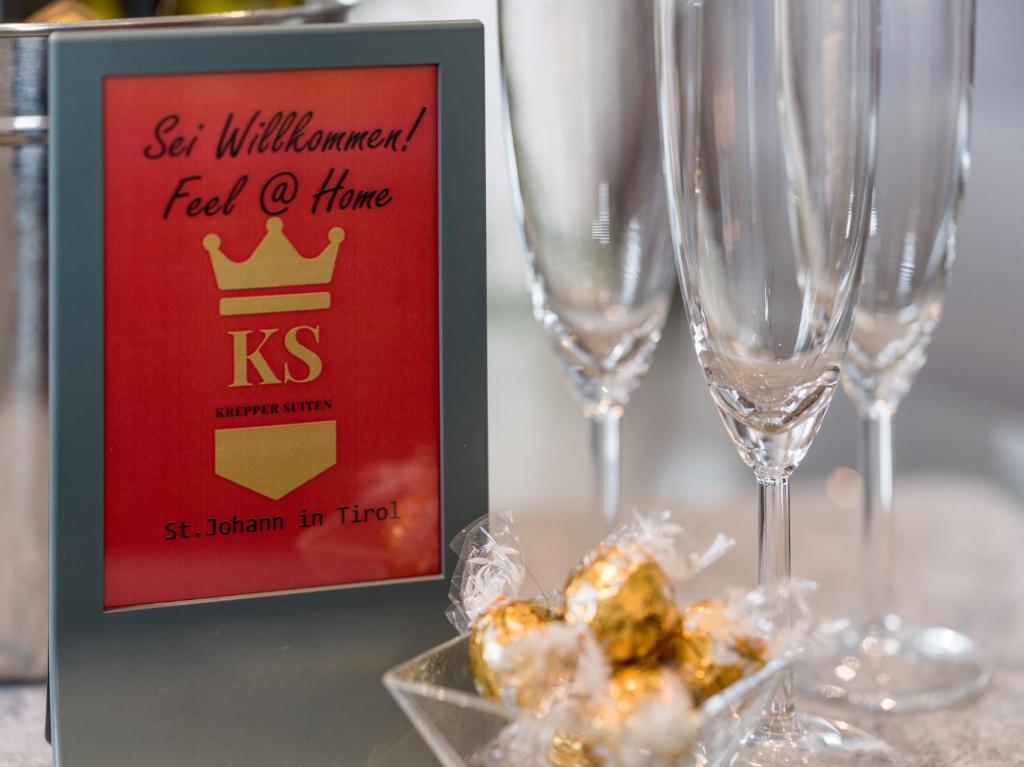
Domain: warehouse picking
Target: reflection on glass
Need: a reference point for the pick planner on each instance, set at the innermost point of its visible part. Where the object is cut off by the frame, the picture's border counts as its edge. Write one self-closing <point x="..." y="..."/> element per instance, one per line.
<point x="582" y="114"/>
<point x="923" y="157"/>
<point x="768" y="119"/>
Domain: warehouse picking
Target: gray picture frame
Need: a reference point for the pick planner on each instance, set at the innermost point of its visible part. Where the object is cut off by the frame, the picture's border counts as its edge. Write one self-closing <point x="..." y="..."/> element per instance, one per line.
<point x="286" y="679"/>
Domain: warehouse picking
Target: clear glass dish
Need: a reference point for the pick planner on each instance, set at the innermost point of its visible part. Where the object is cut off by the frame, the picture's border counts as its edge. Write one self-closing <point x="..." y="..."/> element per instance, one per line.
<point x="436" y="692"/>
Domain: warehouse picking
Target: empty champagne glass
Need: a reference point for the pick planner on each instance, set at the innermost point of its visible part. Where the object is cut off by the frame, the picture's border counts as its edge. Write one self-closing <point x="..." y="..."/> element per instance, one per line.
<point x="582" y="115"/>
<point x="768" y="122"/>
<point x="924" y="110"/>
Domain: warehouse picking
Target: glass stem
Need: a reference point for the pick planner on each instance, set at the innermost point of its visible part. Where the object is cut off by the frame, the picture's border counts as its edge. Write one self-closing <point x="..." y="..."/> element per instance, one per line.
<point x="876" y="468"/>
<point x="773" y="570"/>
<point x="607" y="471"/>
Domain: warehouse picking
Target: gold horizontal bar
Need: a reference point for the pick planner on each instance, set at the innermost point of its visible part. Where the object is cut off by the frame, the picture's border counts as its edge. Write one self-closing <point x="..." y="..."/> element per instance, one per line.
<point x="294" y="302"/>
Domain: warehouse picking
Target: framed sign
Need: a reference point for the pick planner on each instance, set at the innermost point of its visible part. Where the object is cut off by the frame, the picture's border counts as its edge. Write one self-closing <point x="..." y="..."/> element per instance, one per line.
<point x="268" y="383"/>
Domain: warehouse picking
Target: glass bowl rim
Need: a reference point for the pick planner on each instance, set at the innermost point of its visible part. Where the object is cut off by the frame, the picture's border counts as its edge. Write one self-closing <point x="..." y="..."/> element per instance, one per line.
<point x="396" y="680"/>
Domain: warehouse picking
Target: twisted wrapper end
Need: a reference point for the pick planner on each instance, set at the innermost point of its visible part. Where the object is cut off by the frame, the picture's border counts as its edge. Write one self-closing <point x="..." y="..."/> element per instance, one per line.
<point x="490" y="568"/>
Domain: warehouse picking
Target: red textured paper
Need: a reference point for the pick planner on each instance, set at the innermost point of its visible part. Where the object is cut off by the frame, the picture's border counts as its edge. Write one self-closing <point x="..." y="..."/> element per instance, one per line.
<point x="169" y="360"/>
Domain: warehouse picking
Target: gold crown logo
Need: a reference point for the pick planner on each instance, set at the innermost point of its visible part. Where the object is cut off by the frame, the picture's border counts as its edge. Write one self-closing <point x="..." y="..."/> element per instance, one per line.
<point x="274" y="264"/>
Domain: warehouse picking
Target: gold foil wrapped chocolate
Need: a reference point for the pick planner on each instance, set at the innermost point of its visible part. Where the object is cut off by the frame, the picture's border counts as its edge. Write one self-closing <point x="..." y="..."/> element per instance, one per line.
<point x="569" y="750"/>
<point x="646" y="713"/>
<point x="494" y="631"/>
<point x="711" y="650"/>
<point x="613" y="676"/>
<point x="632" y="686"/>
<point x="625" y="598"/>
<point x="63" y="12"/>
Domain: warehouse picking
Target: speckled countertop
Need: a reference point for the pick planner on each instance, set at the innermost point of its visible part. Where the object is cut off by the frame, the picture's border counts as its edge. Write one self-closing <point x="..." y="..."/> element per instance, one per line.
<point x="960" y="564"/>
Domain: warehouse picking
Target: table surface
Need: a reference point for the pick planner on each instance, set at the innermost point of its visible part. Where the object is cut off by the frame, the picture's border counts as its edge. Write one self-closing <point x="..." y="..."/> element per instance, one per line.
<point x="966" y="573"/>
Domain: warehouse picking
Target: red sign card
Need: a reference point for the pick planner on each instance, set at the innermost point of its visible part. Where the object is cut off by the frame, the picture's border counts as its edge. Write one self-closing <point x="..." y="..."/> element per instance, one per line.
<point x="271" y="327"/>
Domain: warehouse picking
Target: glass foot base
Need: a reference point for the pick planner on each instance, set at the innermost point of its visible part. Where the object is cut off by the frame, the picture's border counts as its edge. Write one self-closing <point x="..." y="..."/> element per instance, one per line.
<point x="811" y="741"/>
<point x="896" y="668"/>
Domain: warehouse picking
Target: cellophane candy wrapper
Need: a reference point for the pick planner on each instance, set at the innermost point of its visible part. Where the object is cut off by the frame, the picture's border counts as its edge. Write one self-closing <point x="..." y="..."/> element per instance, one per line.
<point x="680" y="552"/>
<point x="611" y="671"/>
<point x="490" y="568"/>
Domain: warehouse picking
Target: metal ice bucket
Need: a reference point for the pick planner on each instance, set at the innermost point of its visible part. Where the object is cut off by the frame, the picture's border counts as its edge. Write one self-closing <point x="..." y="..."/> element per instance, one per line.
<point x="24" y="463"/>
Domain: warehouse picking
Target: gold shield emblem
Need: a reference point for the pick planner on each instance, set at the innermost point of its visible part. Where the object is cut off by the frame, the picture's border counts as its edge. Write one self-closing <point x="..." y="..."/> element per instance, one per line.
<point x="274" y="460"/>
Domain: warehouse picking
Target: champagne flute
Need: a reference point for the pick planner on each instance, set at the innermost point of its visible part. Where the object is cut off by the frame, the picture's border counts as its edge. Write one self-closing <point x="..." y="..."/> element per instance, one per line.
<point x="768" y="122"/>
<point x="582" y="115"/>
<point x="924" y="109"/>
